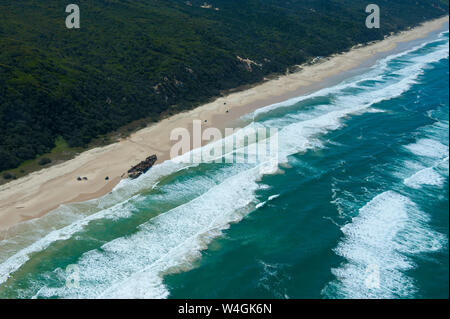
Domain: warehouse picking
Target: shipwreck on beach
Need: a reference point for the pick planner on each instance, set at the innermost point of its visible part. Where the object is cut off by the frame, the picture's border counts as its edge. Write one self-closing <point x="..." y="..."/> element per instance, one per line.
<point x="142" y="167"/>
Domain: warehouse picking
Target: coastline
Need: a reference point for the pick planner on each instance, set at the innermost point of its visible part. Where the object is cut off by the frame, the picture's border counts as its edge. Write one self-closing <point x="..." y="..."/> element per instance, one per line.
<point x="43" y="191"/>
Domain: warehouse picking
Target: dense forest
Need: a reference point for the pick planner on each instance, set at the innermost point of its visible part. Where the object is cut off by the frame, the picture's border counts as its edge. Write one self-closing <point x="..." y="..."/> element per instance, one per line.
<point x="149" y="58"/>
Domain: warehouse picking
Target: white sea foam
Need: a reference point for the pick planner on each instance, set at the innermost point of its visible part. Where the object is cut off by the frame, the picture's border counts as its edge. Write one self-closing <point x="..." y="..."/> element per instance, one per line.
<point x="426" y="176"/>
<point x="21" y="257"/>
<point x="301" y="136"/>
<point x="431" y="175"/>
<point x="431" y="152"/>
<point x="378" y="243"/>
<point x="428" y="147"/>
<point x="259" y="205"/>
<point x="168" y="242"/>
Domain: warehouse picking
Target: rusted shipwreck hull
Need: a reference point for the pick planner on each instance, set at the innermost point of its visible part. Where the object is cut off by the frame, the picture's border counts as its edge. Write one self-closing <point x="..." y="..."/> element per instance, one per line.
<point x="142" y="167"/>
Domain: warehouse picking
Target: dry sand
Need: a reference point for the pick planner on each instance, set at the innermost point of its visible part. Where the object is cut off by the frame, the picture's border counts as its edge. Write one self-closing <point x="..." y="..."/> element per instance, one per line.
<point x="40" y="192"/>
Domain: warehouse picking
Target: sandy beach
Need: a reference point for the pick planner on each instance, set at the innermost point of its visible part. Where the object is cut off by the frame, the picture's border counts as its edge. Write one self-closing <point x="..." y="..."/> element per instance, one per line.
<point x="42" y="191"/>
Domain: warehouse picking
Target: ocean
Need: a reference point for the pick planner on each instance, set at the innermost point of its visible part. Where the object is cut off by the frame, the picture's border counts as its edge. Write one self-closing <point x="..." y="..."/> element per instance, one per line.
<point x="356" y="206"/>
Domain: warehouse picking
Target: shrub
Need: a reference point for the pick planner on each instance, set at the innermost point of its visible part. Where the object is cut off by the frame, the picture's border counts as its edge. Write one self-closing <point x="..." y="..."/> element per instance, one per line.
<point x="8" y="176"/>
<point x="44" y="161"/>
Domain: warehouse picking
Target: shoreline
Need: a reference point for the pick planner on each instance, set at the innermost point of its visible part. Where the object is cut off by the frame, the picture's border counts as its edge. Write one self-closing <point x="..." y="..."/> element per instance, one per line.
<point x="40" y="192"/>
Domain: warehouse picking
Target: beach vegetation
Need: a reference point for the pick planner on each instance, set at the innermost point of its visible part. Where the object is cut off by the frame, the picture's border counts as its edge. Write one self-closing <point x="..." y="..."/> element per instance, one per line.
<point x="44" y="161"/>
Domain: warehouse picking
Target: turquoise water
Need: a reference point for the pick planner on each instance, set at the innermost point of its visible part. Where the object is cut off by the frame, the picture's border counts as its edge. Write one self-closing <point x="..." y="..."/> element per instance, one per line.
<point x="356" y="207"/>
